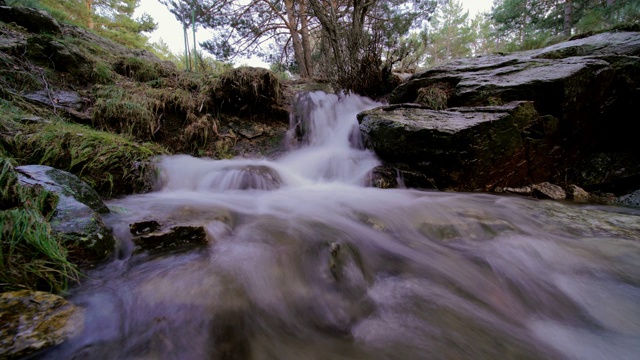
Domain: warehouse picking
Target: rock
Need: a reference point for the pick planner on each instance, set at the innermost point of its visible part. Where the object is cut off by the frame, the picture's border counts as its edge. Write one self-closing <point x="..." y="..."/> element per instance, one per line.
<point x="577" y="194"/>
<point x="144" y="227"/>
<point x="174" y="238"/>
<point x="547" y="190"/>
<point x="77" y="217"/>
<point x="632" y="199"/>
<point x="69" y="99"/>
<point x="33" y="20"/>
<point x="35" y="320"/>
<point x="583" y="90"/>
<point x="460" y="148"/>
<point x="12" y="41"/>
<point x="65" y="57"/>
<point x="525" y="190"/>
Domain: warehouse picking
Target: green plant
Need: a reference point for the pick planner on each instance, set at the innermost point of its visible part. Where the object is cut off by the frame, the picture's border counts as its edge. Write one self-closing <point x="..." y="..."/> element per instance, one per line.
<point x="435" y="96"/>
<point x="30" y="256"/>
<point x="110" y="163"/>
<point x="102" y="74"/>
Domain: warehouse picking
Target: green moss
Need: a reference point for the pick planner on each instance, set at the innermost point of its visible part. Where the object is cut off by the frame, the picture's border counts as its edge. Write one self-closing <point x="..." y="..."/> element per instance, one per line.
<point x="30" y="256"/>
<point x="111" y="164"/>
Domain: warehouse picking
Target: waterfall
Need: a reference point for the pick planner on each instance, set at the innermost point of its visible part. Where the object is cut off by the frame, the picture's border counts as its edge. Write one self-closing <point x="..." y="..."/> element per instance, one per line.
<point x="305" y="261"/>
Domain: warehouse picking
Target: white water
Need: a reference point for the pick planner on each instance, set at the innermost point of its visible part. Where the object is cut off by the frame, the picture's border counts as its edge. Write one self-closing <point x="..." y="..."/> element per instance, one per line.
<point x="306" y="262"/>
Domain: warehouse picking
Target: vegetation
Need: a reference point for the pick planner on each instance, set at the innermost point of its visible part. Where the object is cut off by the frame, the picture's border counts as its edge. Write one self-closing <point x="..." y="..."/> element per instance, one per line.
<point x="525" y="24"/>
<point x="112" y="19"/>
<point x="30" y="256"/>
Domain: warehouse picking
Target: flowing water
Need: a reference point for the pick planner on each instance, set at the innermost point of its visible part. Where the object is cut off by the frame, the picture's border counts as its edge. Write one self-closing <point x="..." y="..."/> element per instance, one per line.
<point x="307" y="262"/>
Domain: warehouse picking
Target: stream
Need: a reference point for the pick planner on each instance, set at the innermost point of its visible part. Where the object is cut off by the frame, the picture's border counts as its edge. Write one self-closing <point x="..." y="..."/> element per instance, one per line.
<point x="305" y="261"/>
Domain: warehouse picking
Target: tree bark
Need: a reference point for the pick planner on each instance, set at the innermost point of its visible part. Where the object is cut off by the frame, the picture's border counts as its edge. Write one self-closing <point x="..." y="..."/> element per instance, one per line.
<point x="304" y="33"/>
<point x="568" y="14"/>
<point x="298" y="51"/>
<point x="89" y="5"/>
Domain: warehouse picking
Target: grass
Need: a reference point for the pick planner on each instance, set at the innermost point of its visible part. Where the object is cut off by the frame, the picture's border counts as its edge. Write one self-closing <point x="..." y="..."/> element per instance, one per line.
<point x="110" y="163"/>
<point x="435" y="96"/>
<point x="30" y="256"/>
<point x="138" y="69"/>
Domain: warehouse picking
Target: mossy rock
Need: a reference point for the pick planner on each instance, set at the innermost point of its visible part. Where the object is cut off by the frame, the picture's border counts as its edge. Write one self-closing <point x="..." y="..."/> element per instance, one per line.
<point x="76" y="220"/>
<point x="35" y="320"/>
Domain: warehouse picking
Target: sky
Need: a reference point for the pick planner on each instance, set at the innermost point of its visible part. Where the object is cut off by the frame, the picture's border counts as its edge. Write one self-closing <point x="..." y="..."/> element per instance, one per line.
<point x="170" y="30"/>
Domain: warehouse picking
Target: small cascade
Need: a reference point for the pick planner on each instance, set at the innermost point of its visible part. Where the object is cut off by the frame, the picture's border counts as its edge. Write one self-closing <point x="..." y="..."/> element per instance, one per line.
<point x="303" y="260"/>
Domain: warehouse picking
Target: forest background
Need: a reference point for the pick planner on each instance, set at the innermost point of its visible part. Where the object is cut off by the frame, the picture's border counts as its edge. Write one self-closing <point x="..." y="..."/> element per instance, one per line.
<point x="355" y="44"/>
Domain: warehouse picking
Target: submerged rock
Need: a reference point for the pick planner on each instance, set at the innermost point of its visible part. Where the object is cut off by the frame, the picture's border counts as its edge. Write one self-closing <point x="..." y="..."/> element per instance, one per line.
<point x="35" y="320"/>
<point x="144" y="227"/>
<point x="76" y="219"/>
<point x="174" y="238"/>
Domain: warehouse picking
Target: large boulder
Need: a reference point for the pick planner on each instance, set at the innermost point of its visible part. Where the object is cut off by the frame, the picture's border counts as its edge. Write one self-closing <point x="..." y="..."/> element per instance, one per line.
<point x="589" y="85"/>
<point x="77" y="217"/>
<point x="462" y="148"/>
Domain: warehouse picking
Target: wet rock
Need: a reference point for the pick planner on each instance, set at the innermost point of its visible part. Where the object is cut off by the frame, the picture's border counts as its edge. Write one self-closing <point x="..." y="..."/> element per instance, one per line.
<point x="461" y="148"/>
<point x="583" y="90"/>
<point x="34" y="320"/>
<point x="547" y="190"/>
<point x="77" y="217"/>
<point x="577" y="194"/>
<point x="174" y="238"/>
<point x="144" y="227"/>
<point x="33" y="20"/>
<point x="525" y="190"/>
<point x="632" y="199"/>
<point x="251" y="177"/>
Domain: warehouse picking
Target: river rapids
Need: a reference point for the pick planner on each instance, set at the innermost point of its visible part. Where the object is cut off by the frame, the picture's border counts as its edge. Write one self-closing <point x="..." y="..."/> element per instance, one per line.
<point x="305" y="261"/>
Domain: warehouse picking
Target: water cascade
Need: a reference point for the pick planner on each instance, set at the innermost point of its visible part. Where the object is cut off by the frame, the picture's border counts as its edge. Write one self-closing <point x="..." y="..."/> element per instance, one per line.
<point x="306" y="262"/>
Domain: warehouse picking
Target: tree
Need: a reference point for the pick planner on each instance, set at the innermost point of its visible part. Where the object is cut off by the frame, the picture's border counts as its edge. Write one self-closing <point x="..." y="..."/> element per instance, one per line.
<point x="243" y="28"/>
<point x="112" y="19"/>
<point x="360" y="40"/>
<point x="450" y="32"/>
<point x="521" y="21"/>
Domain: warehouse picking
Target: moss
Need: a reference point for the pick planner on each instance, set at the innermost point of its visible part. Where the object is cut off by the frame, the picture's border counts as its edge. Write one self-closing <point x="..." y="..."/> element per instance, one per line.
<point x="30" y="256"/>
<point x="111" y="164"/>
<point x="435" y="96"/>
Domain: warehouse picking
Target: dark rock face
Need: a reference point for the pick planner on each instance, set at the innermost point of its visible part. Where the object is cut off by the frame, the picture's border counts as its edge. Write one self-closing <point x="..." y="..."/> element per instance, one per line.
<point x="33" y="20"/>
<point x="468" y="148"/>
<point x="582" y="91"/>
<point x="77" y="216"/>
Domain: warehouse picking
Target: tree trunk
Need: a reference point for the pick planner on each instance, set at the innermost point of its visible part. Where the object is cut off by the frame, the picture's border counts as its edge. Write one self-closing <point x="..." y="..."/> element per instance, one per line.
<point x="89" y="4"/>
<point x="568" y="14"/>
<point x="295" y="39"/>
<point x="611" y="2"/>
<point x="304" y="33"/>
